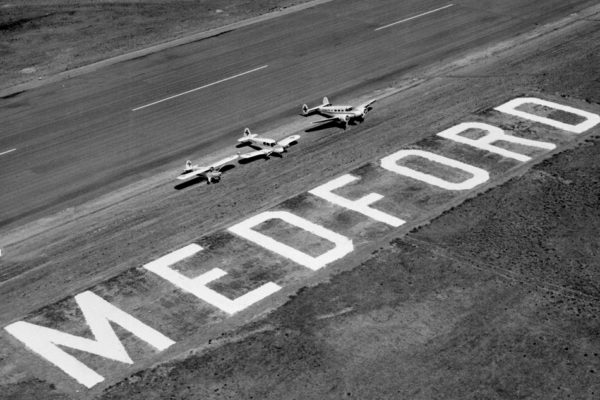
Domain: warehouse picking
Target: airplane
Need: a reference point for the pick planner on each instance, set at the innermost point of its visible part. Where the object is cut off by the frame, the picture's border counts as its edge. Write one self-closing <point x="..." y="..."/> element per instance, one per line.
<point x="211" y="173"/>
<point x="263" y="146"/>
<point x="343" y="114"/>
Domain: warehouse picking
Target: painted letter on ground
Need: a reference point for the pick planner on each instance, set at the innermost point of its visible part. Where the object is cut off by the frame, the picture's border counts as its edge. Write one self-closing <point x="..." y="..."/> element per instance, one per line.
<point x="361" y="205"/>
<point x="343" y="245"/>
<point x="493" y="134"/>
<point x="478" y="177"/>
<point x="590" y="119"/>
<point x="97" y="312"/>
<point x="197" y="286"/>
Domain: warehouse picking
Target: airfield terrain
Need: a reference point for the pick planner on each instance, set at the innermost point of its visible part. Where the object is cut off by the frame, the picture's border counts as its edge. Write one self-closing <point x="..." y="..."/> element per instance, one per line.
<point x="487" y="294"/>
<point x="44" y="39"/>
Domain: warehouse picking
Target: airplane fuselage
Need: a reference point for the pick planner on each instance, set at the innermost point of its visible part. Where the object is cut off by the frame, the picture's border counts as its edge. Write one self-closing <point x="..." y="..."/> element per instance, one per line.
<point x="265" y="143"/>
<point x="258" y="141"/>
<point x="337" y="110"/>
<point x="342" y="112"/>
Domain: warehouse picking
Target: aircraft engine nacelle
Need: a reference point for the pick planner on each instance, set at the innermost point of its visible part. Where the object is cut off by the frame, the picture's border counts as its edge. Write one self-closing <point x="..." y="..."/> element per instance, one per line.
<point x="363" y="113"/>
<point x="214" y="174"/>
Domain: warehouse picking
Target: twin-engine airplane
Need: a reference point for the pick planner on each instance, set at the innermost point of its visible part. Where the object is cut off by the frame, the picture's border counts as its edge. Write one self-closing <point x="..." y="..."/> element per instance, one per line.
<point x="342" y="114"/>
<point x="264" y="146"/>
<point x="211" y="173"/>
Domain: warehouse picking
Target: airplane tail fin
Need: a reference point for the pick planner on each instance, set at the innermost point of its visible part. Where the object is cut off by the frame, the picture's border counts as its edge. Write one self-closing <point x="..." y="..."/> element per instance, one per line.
<point x="188" y="165"/>
<point x="306" y="110"/>
<point x="247" y="136"/>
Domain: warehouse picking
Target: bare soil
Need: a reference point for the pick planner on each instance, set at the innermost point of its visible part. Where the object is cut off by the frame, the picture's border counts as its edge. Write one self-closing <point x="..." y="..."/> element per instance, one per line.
<point x="45" y="37"/>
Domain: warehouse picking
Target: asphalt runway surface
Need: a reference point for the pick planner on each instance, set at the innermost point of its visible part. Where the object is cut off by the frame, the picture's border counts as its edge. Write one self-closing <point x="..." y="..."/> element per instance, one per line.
<point x="77" y="139"/>
<point x="78" y="250"/>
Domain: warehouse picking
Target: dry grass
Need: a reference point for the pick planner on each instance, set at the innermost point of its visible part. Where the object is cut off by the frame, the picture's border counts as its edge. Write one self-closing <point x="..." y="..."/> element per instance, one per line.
<point x="44" y="37"/>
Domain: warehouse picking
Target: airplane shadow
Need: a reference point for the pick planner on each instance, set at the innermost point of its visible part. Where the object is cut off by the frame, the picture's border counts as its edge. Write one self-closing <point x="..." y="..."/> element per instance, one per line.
<point x="244" y="161"/>
<point x="325" y="125"/>
<point x="249" y="146"/>
<point x="189" y="182"/>
<point x="199" y="179"/>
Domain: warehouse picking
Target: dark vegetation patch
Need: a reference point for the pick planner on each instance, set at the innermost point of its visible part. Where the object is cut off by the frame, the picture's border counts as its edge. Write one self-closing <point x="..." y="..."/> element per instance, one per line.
<point x="249" y="275"/>
<point x="552" y="113"/>
<point x="298" y="202"/>
<point x="131" y="283"/>
<point x="7" y="24"/>
<point x="294" y="236"/>
<point x="59" y="314"/>
<point x="217" y="240"/>
<point x="30" y="390"/>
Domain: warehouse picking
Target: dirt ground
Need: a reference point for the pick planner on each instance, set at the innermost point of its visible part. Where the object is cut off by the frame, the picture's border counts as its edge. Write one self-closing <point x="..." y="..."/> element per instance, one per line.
<point x="44" y="37"/>
<point x="495" y="299"/>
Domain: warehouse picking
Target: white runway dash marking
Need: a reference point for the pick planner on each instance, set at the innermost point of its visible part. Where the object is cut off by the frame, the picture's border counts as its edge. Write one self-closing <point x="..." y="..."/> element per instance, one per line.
<point x="199" y="88"/>
<point x="414" y="17"/>
<point x="8" y="151"/>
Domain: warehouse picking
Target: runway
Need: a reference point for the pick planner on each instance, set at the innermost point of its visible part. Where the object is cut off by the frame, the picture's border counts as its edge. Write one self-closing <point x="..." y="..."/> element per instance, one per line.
<point x="72" y="141"/>
<point x="125" y="131"/>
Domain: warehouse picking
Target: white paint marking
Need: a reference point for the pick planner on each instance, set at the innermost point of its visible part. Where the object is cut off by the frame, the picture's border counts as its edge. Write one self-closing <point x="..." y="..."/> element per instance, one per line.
<point x="510" y="107"/>
<point x="494" y="134"/>
<point x="479" y="175"/>
<point x="343" y="245"/>
<point x="361" y="205"/>
<point x="199" y="88"/>
<point x="8" y="151"/>
<point x="197" y="286"/>
<point x="414" y="17"/>
<point x="98" y="314"/>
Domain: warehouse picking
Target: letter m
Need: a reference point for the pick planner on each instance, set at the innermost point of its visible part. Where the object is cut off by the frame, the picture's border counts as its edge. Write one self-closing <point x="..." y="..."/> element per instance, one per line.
<point x="98" y="314"/>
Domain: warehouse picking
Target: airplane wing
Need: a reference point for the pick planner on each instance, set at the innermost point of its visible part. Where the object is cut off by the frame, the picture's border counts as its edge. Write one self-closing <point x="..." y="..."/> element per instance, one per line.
<point x="367" y="104"/>
<point x="193" y="173"/>
<point x="219" y="164"/>
<point x="288" y="140"/>
<point x="196" y="171"/>
<point x="256" y="153"/>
